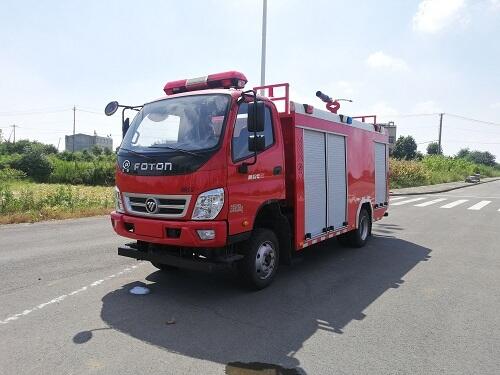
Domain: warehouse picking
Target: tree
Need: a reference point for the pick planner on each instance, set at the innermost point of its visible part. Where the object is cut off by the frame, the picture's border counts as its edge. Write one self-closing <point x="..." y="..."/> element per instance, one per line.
<point x="86" y="156"/>
<point x="107" y="151"/>
<point x="405" y="148"/>
<point x="50" y="149"/>
<point x="434" y="149"/>
<point x="480" y="157"/>
<point x="463" y="153"/>
<point x="96" y="150"/>
<point x="35" y="164"/>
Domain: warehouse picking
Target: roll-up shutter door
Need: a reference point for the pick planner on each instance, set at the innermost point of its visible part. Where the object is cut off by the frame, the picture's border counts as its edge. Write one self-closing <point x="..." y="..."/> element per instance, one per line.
<point x="314" y="182"/>
<point x="337" y="189"/>
<point x="380" y="173"/>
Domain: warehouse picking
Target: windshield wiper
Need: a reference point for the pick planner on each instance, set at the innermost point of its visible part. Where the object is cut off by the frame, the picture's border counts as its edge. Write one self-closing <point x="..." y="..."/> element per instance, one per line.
<point x="177" y="149"/>
<point x="137" y="153"/>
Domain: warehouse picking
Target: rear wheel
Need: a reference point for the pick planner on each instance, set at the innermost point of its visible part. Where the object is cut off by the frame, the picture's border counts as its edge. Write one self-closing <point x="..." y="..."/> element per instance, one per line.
<point x="359" y="236"/>
<point x="259" y="266"/>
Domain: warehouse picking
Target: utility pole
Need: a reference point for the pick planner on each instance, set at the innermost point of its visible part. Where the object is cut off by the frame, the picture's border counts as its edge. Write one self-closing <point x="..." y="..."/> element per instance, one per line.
<point x="14" y="130"/>
<point x="74" y="123"/>
<point x="440" y="130"/>
<point x="263" y="56"/>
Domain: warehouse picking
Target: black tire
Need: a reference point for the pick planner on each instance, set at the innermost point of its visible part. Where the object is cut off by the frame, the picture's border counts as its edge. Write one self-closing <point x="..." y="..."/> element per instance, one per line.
<point x="164" y="267"/>
<point x="359" y="236"/>
<point x="258" y="268"/>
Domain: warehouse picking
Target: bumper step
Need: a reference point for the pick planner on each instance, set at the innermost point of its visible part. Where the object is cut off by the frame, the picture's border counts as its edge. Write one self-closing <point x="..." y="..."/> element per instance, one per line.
<point x="176" y="261"/>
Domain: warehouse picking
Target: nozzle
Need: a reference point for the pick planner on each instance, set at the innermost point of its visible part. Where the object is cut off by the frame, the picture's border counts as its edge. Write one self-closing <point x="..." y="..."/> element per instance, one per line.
<point x="323" y="97"/>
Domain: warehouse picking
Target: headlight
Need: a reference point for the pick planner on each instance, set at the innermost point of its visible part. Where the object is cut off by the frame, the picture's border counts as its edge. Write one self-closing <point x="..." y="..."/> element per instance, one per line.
<point x="118" y="201"/>
<point x="208" y="205"/>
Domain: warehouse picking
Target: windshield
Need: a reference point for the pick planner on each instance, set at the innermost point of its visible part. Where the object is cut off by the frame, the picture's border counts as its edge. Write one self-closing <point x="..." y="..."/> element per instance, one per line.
<point x="185" y="123"/>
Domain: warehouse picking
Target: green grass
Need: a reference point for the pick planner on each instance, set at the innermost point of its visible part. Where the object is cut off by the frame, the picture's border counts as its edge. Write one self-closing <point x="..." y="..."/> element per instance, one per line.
<point x="22" y="201"/>
<point x="435" y="169"/>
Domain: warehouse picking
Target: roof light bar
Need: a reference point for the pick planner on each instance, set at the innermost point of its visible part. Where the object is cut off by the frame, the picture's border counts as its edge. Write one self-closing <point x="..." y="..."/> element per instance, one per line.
<point x="223" y="80"/>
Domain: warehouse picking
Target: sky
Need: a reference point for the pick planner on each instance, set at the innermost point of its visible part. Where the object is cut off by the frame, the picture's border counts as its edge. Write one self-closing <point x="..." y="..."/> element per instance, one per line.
<point x="405" y="61"/>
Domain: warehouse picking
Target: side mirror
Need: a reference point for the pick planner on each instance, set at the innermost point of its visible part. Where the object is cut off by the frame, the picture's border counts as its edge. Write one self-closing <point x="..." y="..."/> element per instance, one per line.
<point x="111" y="108"/>
<point x="256" y="117"/>
<point x="256" y="143"/>
<point x="125" y="126"/>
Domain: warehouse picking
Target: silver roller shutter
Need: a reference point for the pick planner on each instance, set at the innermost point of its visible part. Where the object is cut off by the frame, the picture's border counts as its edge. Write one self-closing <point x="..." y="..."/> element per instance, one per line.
<point x="314" y="182"/>
<point x="337" y="189"/>
<point x="380" y="173"/>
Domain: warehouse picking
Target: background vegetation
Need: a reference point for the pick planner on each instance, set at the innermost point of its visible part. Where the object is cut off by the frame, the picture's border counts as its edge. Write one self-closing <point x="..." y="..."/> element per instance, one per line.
<point x="38" y="183"/>
<point x="411" y="168"/>
<point x="42" y="163"/>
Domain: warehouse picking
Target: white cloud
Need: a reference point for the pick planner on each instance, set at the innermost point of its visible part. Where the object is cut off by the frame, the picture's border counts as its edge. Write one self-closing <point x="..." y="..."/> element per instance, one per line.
<point x="381" y="60"/>
<point x="383" y="109"/>
<point x="428" y="106"/>
<point x="434" y="15"/>
<point x="345" y="87"/>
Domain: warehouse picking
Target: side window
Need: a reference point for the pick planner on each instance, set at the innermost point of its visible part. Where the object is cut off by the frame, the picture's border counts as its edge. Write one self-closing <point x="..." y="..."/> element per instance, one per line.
<point x="240" y="136"/>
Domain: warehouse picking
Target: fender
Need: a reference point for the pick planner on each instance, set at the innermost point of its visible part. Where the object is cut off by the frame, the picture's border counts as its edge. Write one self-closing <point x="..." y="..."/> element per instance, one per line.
<point x="361" y="202"/>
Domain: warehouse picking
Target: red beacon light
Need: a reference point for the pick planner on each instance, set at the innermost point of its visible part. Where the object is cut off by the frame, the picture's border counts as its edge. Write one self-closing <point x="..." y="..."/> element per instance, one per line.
<point x="223" y="80"/>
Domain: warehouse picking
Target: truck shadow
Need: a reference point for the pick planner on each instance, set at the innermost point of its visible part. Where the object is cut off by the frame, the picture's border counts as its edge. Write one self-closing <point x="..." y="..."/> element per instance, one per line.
<point x="211" y="317"/>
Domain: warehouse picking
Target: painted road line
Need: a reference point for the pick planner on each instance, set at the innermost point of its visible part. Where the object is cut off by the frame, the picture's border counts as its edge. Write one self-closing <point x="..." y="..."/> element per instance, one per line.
<point x="70" y="294"/>
<point x="408" y="201"/>
<point x="430" y="202"/>
<point x="396" y="198"/>
<point x="454" y="204"/>
<point x="479" y="205"/>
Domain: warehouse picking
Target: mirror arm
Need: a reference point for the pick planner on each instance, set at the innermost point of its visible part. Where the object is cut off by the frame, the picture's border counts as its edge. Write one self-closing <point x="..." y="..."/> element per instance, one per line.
<point x="243" y="167"/>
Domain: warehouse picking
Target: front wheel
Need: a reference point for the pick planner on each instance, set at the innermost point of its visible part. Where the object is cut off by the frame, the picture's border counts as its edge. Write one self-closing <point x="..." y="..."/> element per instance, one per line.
<point x="259" y="266"/>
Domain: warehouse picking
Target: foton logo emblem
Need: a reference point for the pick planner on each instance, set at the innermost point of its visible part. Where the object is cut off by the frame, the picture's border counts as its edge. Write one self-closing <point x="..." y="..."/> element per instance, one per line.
<point x="151" y="205"/>
<point x="146" y="166"/>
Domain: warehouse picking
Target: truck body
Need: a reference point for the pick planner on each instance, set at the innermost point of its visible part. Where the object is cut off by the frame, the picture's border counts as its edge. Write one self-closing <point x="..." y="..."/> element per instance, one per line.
<point x="196" y="192"/>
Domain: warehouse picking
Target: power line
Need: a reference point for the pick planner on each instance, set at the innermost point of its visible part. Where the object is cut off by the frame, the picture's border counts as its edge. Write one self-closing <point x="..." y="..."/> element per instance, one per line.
<point x="33" y="112"/>
<point x="473" y="119"/>
<point x="410" y="115"/>
<point x="88" y="111"/>
<point x="423" y="143"/>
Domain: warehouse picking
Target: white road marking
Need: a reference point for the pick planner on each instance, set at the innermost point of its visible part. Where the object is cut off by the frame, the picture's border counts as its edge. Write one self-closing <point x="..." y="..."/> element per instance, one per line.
<point x="64" y="296"/>
<point x="456" y="203"/>
<point x="479" y="205"/>
<point x="408" y="201"/>
<point x="430" y="202"/>
<point x="396" y="198"/>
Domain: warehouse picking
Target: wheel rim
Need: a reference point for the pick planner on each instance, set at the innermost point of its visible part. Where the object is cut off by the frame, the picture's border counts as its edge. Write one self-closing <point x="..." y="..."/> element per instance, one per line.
<point x="265" y="260"/>
<point x="363" y="227"/>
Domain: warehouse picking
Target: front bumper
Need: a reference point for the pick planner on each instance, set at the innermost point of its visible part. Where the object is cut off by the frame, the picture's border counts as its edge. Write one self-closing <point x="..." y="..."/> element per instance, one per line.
<point x="192" y="263"/>
<point x="169" y="232"/>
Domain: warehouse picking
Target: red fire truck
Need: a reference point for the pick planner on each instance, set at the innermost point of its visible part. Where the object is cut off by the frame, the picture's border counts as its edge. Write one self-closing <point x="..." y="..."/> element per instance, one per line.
<point x="213" y="176"/>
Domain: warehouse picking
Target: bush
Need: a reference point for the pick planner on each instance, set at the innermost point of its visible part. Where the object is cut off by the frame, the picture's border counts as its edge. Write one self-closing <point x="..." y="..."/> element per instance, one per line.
<point x="9" y="174"/>
<point x="96" y="172"/>
<point x="407" y="173"/>
<point x="35" y="164"/>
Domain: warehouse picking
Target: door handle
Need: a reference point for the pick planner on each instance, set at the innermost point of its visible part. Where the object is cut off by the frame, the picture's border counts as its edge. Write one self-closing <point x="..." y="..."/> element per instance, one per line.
<point x="277" y="170"/>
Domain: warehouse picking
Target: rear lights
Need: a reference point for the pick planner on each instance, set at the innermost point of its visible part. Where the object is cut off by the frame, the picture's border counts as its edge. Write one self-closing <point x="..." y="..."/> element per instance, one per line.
<point x="223" y="80"/>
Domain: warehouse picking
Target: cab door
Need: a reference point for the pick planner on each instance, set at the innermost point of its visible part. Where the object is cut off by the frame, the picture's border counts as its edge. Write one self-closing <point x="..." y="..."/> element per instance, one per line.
<point x="264" y="181"/>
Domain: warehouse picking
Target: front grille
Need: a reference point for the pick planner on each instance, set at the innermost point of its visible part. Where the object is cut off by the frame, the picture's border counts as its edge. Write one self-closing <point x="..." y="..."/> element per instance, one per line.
<point x="152" y="205"/>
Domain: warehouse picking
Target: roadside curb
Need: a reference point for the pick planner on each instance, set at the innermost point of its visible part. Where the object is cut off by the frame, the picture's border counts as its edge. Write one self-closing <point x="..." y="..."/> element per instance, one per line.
<point x="443" y="190"/>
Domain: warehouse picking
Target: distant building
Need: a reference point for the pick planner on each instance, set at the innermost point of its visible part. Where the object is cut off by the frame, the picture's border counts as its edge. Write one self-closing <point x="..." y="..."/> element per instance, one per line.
<point x="391" y="130"/>
<point x="86" y="142"/>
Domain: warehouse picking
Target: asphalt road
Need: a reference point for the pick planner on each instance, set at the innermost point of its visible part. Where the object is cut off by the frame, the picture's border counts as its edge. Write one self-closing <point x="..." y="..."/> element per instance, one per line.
<point x="422" y="298"/>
